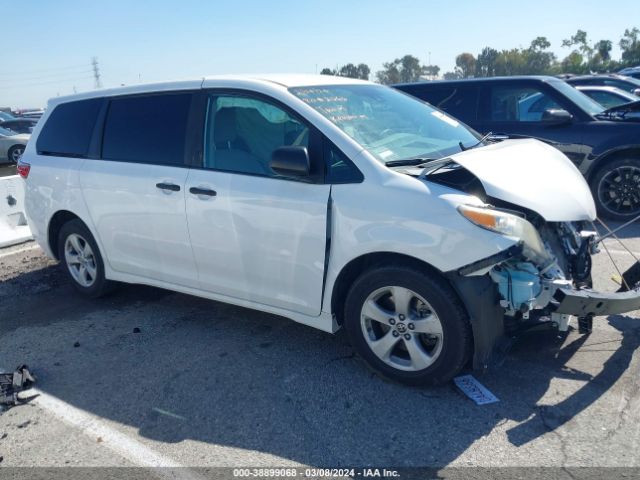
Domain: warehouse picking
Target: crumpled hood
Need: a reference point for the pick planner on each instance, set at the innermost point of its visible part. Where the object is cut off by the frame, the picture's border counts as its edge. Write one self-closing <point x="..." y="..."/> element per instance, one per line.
<point x="533" y="175"/>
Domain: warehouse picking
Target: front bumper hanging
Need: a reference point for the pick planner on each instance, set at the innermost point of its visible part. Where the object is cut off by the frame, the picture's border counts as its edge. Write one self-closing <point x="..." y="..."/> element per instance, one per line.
<point x="588" y="302"/>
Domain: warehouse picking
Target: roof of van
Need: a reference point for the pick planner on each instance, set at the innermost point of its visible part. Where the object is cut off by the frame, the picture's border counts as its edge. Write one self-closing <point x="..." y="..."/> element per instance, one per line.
<point x="283" y="80"/>
<point x="538" y="78"/>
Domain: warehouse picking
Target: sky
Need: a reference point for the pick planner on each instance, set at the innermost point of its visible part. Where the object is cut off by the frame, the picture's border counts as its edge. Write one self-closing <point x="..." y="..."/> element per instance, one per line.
<point x="140" y="41"/>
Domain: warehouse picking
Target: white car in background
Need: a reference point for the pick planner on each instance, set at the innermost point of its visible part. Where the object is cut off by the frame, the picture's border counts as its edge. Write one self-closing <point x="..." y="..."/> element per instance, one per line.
<point x="12" y="145"/>
<point x="331" y="201"/>
<point x="608" y="96"/>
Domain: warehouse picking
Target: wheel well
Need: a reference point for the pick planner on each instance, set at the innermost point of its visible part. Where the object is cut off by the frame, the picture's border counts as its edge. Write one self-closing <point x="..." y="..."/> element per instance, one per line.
<point x="57" y="221"/>
<point x="602" y="161"/>
<point x="357" y="266"/>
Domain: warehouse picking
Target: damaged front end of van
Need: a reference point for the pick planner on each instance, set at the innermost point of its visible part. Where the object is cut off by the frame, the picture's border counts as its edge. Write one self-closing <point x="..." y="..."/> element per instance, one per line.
<point x="545" y="207"/>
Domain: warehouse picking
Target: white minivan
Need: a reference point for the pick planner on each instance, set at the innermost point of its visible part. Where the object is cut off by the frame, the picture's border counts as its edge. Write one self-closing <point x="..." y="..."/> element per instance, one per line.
<point x="330" y="201"/>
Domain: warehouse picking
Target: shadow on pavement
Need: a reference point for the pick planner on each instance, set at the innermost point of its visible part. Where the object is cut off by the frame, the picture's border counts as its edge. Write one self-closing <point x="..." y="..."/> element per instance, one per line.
<point x="225" y="375"/>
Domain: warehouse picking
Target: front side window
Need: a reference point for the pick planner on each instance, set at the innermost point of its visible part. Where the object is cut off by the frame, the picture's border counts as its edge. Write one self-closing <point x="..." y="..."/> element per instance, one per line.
<point x="147" y="129"/>
<point x="389" y="124"/>
<point x="242" y="132"/>
<point x="519" y="104"/>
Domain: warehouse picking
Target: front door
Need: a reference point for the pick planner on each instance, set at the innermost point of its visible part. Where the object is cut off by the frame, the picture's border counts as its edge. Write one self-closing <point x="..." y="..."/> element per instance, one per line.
<point x="256" y="235"/>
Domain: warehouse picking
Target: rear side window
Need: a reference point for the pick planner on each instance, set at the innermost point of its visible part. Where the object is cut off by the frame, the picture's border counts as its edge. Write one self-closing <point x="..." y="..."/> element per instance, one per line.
<point x="147" y="129"/>
<point x="68" y="130"/>
<point x="459" y="102"/>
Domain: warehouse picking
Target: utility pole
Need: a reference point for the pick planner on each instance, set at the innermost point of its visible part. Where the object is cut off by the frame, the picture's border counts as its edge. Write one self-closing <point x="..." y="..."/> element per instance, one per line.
<point x="96" y="72"/>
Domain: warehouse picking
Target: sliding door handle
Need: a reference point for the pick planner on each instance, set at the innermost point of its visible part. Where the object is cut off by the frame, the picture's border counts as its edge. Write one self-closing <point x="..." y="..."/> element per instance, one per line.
<point x="203" y="191"/>
<point x="168" y="186"/>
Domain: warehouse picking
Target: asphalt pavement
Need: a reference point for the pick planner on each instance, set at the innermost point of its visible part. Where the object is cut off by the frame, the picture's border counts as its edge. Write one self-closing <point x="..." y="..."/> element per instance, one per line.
<point x="155" y="378"/>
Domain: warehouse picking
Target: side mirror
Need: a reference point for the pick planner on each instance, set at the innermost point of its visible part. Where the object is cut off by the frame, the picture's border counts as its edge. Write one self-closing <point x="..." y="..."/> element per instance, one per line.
<point x="556" y="116"/>
<point x="291" y="161"/>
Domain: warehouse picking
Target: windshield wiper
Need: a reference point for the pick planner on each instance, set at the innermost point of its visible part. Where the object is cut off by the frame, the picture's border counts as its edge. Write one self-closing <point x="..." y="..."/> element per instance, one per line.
<point x="463" y="148"/>
<point x="405" y="162"/>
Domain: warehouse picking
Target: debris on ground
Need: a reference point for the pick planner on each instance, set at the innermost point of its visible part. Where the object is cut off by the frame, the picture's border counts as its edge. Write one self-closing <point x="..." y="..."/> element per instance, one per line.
<point x="473" y="389"/>
<point x="13" y="383"/>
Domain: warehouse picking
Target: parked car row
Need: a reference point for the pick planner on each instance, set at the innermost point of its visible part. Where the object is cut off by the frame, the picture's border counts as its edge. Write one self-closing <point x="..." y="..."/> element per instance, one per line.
<point x="603" y="143"/>
<point x="338" y="202"/>
<point x="14" y="135"/>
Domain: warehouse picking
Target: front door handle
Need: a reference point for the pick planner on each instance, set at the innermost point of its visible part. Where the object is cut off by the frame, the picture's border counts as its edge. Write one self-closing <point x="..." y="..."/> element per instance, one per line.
<point x="168" y="186"/>
<point x="203" y="191"/>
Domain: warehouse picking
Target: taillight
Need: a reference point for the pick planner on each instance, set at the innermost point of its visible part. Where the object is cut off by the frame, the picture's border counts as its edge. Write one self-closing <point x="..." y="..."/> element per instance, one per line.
<point x="23" y="169"/>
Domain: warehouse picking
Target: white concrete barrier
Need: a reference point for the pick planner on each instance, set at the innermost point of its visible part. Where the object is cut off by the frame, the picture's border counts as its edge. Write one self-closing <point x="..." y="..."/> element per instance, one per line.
<point x="13" y="223"/>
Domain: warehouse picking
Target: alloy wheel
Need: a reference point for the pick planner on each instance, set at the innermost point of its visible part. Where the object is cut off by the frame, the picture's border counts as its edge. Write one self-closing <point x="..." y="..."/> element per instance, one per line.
<point x="80" y="260"/>
<point x="619" y="190"/>
<point x="401" y="328"/>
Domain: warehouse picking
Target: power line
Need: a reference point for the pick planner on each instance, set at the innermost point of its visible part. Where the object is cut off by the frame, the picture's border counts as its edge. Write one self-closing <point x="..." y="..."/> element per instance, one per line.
<point x="68" y="80"/>
<point x="71" y="75"/>
<point x="42" y="71"/>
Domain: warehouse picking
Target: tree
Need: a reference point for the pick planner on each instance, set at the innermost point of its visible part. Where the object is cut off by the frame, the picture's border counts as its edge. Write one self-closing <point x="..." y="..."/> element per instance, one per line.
<point x="580" y="40"/>
<point x="402" y="70"/>
<point x="431" y="70"/>
<point x="363" y="71"/>
<point x="573" y="63"/>
<point x="603" y="48"/>
<point x="511" y="62"/>
<point x="451" y="75"/>
<point x="466" y="65"/>
<point x="537" y="60"/>
<point x="349" y="70"/>
<point x="630" y="46"/>
<point x="486" y="62"/>
<point x="389" y="74"/>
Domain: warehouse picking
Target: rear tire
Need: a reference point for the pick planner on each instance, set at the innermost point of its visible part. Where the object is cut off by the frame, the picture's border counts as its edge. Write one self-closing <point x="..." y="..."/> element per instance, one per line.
<point x="407" y="325"/>
<point x="616" y="189"/>
<point x="81" y="260"/>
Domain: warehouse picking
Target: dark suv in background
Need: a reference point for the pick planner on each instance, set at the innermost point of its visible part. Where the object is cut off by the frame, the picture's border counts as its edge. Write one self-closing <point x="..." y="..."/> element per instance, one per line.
<point x="604" y="144"/>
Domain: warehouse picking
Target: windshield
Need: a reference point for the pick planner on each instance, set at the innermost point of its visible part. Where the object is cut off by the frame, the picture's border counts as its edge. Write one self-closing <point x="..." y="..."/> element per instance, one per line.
<point x="387" y="123"/>
<point x="583" y="101"/>
<point x="6" y="132"/>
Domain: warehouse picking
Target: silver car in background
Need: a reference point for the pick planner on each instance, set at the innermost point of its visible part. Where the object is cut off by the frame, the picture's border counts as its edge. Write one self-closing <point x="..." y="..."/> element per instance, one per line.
<point x="12" y="145"/>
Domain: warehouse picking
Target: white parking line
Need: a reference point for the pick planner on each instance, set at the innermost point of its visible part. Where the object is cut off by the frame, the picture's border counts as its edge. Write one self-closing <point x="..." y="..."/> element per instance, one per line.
<point x="20" y="250"/>
<point x="125" y="446"/>
<point x="619" y="252"/>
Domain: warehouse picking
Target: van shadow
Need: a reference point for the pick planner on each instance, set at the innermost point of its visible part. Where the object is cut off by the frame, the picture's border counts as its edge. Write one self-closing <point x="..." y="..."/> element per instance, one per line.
<point x="178" y="368"/>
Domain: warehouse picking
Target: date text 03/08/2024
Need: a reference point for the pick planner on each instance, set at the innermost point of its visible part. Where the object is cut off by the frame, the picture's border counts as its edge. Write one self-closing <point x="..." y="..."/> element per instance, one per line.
<point x="316" y="472"/>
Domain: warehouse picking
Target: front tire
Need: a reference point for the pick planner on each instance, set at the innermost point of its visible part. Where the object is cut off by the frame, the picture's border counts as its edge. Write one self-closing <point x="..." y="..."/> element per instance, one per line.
<point x="81" y="260"/>
<point x="407" y="325"/>
<point x="616" y="189"/>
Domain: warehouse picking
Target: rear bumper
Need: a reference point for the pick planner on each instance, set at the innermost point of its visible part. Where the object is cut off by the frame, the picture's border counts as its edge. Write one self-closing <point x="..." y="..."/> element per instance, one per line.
<point x="587" y="302"/>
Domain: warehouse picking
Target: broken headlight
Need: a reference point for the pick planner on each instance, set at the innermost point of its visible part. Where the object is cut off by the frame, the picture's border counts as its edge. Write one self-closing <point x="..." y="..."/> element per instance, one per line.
<point x="509" y="225"/>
